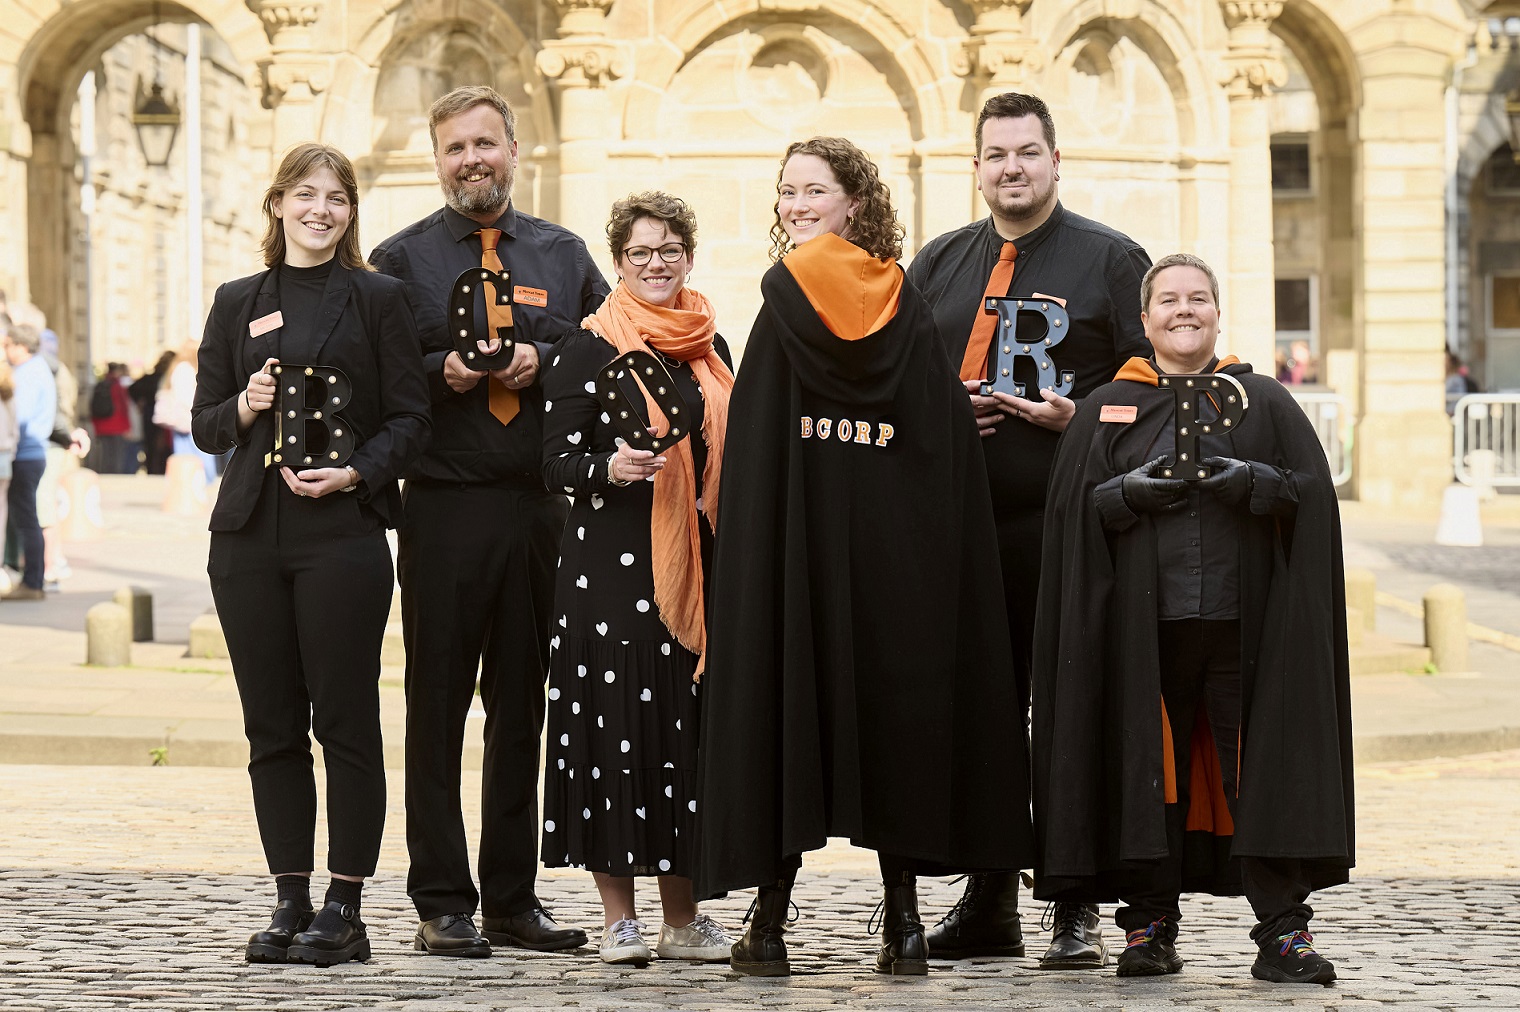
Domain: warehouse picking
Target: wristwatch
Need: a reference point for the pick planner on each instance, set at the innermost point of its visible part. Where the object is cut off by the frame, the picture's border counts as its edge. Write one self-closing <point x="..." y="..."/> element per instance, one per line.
<point x="353" y="479"/>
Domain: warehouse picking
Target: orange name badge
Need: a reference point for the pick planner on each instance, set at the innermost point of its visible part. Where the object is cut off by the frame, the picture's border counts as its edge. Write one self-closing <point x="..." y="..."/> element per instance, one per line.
<point x="525" y="296"/>
<point x="1053" y="298"/>
<point x="265" y="324"/>
<point x="1124" y="413"/>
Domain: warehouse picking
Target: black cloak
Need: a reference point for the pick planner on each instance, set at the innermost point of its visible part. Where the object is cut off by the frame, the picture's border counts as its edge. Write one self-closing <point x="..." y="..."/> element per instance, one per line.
<point x="859" y="679"/>
<point x="1099" y="769"/>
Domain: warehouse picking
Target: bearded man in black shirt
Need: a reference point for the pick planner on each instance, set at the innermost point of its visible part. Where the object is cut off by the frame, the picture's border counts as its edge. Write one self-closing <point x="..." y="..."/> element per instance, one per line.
<point x="1031" y="247"/>
<point x="480" y="538"/>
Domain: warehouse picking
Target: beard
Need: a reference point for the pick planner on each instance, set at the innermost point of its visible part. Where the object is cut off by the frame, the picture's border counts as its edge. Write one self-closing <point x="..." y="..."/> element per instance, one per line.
<point x="472" y="200"/>
<point x="1019" y="208"/>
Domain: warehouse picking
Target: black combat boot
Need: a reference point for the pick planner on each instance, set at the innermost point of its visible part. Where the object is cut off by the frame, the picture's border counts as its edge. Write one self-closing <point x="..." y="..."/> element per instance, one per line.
<point x="1076" y="939"/>
<point x="983" y="922"/>
<point x="903" y="949"/>
<point x="762" y="950"/>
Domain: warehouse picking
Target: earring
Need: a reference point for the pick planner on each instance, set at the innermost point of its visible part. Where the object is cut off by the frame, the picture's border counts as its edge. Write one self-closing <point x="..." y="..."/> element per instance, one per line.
<point x="849" y="219"/>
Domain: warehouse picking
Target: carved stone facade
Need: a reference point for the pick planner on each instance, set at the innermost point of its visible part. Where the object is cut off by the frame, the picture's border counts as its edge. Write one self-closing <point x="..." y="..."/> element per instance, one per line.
<point x="1298" y="145"/>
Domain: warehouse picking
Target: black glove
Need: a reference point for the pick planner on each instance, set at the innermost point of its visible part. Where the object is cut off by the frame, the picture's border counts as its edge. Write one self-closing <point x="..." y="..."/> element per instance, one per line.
<point x="1231" y="481"/>
<point x="1144" y="493"/>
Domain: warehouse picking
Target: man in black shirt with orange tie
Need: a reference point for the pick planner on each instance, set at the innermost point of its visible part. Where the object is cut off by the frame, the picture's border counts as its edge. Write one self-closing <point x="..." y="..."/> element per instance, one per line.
<point x="481" y="536"/>
<point x="1030" y="246"/>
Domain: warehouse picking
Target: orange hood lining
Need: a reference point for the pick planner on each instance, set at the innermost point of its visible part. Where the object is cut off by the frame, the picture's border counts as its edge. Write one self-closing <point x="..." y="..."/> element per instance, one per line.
<point x="854" y="293"/>
<point x="1140" y="370"/>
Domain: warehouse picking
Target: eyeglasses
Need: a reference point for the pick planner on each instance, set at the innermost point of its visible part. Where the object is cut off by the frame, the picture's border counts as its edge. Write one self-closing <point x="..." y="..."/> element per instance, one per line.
<point x="639" y="255"/>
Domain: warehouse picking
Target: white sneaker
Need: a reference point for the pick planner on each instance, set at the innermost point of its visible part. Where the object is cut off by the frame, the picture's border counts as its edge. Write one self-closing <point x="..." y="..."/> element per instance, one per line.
<point x="701" y="940"/>
<point x="622" y="943"/>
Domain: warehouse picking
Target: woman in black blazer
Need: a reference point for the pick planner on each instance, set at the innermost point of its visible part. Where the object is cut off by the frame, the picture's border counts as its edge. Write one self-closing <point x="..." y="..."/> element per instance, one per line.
<point x="299" y="565"/>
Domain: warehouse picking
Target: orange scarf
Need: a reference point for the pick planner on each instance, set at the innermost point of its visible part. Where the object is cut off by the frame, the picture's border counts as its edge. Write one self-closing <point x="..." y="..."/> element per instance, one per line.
<point x="684" y="332"/>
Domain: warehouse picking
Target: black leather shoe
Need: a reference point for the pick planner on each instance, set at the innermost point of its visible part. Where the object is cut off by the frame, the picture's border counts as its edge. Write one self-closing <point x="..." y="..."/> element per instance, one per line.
<point x="1151" y="951"/>
<point x="336" y="936"/>
<point x="761" y="952"/>
<point x="450" y="935"/>
<point x="1291" y="959"/>
<point x="983" y="922"/>
<point x="531" y="929"/>
<point x="903" y="949"/>
<point x="269" y="945"/>
<point x="1076" y="940"/>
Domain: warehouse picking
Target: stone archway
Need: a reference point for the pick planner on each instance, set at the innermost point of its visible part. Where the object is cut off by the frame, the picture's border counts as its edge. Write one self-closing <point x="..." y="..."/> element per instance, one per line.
<point x="711" y="124"/>
<point x="87" y="38"/>
<point x="1137" y="124"/>
<point x="1316" y="226"/>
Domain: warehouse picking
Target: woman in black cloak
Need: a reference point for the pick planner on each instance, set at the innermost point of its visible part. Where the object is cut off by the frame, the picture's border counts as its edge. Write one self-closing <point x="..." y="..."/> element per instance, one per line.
<point x="859" y="680"/>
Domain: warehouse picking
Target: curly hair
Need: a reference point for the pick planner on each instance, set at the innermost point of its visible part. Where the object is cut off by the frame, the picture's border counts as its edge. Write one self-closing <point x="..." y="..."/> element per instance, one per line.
<point x="875" y="228"/>
<point x="672" y="212"/>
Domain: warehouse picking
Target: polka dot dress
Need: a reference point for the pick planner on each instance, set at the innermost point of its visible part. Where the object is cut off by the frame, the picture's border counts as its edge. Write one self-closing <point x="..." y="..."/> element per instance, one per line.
<point x="620" y="778"/>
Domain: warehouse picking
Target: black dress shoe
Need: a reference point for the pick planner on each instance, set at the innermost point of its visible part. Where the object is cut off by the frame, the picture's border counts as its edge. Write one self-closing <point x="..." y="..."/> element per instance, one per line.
<point x="1076" y="940"/>
<point x="336" y="936"/>
<point x="1291" y="959"/>
<point x="531" y="929"/>
<point x="1151" y="952"/>
<point x="450" y="935"/>
<point x="903" y="949"/>
<point x="269" y="945"/>
<point x="983" y="922"/>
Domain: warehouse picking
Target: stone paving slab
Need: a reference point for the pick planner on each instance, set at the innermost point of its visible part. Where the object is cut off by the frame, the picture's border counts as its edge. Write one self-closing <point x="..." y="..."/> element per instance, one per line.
<point x="136" y="888"/>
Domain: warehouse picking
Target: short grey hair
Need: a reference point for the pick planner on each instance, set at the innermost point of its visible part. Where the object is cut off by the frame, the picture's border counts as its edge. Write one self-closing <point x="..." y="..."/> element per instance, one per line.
<point x="25" y="335"/>
<point x="1175" y="260"/>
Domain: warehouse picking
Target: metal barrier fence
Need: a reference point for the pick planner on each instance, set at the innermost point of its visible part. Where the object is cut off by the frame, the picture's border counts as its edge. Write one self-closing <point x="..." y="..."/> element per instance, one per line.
<point x="1334" y="425"/>
<point x="1486" y="447"/>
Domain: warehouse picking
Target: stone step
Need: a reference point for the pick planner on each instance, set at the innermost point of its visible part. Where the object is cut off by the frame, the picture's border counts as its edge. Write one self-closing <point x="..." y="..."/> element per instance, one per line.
<point x="207" y="640"/>
<point x="1383" y="655"/>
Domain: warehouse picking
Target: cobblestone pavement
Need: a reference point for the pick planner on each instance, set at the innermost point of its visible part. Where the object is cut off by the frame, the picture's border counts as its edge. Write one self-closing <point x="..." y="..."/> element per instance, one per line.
<point x="135" y="888"/>
<point x="1496" y="567"/>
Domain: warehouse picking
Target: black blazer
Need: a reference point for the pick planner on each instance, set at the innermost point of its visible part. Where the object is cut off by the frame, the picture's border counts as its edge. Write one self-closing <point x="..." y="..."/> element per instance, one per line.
<point x="364" y="328"/>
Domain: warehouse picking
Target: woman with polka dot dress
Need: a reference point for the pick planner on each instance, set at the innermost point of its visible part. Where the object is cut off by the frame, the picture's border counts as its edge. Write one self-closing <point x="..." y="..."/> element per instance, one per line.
<point x="629" y="623"/>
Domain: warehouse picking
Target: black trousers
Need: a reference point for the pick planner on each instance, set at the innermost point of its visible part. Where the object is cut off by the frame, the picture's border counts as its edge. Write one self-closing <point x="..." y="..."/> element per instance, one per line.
<point x="1200" y="666"/>
<point x="477" y="594"/>
<point x="22" y="499"/>
<point x="303" y="591"/>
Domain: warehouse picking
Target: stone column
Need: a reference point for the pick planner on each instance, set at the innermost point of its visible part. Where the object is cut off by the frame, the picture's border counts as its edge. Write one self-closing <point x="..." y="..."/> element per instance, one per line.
<point x="1251" y="69"/>
<point x="295" y="74"/>
<point x="998" y="55"/>
<point x="580" y="63"/>
<point x="1404" y="439"/>
<point x="15" y="154"/>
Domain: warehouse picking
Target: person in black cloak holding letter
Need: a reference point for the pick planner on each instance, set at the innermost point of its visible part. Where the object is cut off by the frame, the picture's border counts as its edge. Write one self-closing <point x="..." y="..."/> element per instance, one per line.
<point x="850" y="621"/>
<point x="1192" y="711"/>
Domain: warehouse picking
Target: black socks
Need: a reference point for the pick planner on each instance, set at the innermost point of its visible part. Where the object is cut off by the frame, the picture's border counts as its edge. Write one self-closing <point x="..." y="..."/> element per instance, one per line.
<point x="344" y="891"/>
<point x="293" y="887"/>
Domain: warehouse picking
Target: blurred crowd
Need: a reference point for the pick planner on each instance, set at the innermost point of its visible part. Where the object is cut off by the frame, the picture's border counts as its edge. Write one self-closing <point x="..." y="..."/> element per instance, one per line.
<point x="51" y="422"/>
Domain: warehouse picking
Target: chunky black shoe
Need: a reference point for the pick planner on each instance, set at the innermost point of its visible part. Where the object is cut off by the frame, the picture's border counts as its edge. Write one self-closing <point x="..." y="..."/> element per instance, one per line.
<point x="1076" y="939"/>
<point x="983" y="922"/>
<point x="1291" y="959"/>
<point x="336" y="936"/>
<point x="1151" y="951"/>
<point x="761" y="952"/>
<point x="450" y="935"/>
<point x="903" y="949"/>
<point x="531" y="929"/>
<point x="270" y="945"/>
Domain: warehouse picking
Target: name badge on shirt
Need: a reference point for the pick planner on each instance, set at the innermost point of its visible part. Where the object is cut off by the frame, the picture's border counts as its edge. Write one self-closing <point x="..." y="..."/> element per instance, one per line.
<point x="1123" y="413"/>
<point x="530" y="296"/>
<point x="265" y="324"/>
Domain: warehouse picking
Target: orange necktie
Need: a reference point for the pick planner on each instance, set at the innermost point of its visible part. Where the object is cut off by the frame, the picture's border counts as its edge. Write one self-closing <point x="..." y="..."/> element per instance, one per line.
<point x="974" y="365"/>
<point x="503" y="401"/>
